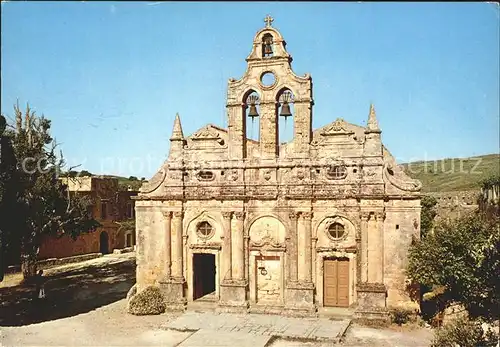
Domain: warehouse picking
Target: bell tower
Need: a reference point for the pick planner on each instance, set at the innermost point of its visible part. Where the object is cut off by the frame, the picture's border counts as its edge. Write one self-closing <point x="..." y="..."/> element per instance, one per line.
<point x="268" y="90"/>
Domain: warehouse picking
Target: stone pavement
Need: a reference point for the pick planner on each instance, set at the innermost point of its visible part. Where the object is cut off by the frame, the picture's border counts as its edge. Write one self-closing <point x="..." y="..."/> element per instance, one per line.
<point x="223" y="329"/>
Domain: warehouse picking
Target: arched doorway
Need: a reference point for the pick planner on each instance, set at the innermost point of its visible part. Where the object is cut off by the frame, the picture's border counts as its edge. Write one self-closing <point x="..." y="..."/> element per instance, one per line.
<point x="103" y="243"/>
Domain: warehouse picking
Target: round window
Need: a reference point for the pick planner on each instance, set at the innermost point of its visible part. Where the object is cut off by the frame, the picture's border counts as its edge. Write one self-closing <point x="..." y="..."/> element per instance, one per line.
<point x="267" y="79"/>
<point x="336" y="230"/>
<point x="205" y="229"/>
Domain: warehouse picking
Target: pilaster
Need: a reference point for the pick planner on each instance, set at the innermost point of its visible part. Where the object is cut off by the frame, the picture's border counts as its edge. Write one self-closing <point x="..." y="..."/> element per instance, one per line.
<point x="226" y="247"/>
<point x="299" y="298"/>
<point x="292" y="248"/>
<point x="233" y="291"/>
<point x="168" y="245"/>
<point x="364" y="246"/>
<point x="371" y="291"/>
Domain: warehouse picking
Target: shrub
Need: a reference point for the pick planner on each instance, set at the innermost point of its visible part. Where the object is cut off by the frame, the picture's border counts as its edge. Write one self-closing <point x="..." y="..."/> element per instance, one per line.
<point x="148" y="302"/>
<point x="463" y="332"/>
<point x="401" y="316"/>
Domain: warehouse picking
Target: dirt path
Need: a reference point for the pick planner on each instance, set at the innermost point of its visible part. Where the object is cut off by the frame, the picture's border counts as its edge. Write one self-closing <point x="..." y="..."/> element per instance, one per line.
<point x="70" y="289"/>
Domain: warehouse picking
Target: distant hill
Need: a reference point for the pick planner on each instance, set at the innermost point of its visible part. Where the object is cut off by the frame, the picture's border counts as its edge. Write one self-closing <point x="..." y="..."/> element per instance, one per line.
<point x="454" y="174"/>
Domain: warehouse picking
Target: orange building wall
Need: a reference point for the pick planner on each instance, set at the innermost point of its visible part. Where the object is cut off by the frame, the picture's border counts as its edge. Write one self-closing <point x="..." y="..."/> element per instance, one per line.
<point x="119" y="206"/>
<point x="86" y="243"/>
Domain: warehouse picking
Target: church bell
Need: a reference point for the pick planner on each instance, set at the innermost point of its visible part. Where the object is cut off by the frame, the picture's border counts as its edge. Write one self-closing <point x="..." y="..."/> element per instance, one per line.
<point x="268" y="50"/>
<point x="285" y="110"/>
<point x="252" y="113"/>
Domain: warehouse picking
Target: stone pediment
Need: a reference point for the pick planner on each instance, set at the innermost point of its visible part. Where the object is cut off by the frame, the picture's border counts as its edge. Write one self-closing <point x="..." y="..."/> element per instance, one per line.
<point x="208" y="137"/>
<point x="339" y="127"/>
<point x="206" y="133"/>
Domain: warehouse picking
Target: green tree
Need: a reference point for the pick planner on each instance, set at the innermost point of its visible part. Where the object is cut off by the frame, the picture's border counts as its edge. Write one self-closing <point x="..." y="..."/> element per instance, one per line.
<point x="461" y="257"/>
<point x="427" y="214"/>
<point x="126" y="226"/>
<point x="42" y="204"/>
<point x="132" y="178"/>
<point x="8" y="247"/>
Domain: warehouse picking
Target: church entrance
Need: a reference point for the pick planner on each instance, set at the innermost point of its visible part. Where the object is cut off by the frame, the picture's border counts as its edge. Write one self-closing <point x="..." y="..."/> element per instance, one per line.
<point x="336" y="282"/>
<point x="203" y="275"/>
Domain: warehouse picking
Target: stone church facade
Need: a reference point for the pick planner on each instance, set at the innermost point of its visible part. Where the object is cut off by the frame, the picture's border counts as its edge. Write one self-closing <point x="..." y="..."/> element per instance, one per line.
<point x="261" y="225"/>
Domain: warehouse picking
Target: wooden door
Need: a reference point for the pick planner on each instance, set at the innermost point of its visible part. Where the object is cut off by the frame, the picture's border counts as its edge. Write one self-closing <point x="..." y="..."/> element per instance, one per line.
<point x="336" y="282"/>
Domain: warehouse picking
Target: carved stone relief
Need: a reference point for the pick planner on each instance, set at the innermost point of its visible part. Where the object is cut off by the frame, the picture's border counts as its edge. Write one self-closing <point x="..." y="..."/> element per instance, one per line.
<point x="268" y="280"/>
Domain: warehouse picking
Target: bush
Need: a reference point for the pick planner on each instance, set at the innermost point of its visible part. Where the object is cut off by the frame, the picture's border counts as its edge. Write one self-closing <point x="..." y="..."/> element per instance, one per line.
<point x="463" y="332"/>
<point x="148" y="302"/>
<point x="401" y="316"/>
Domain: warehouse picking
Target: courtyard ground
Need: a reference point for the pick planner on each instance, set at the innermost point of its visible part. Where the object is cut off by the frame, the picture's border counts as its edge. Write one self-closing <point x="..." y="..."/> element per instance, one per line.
<point x="85" y="307"/>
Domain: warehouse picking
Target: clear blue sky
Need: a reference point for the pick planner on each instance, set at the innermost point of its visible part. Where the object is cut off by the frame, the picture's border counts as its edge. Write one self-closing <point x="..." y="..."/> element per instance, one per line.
<point x="111" y="76"/>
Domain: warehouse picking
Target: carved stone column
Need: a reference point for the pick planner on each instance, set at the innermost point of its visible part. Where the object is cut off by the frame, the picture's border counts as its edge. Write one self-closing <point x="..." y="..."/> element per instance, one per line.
<point x="168" y="245"/>
<point x="299" y="299"/>
<point x="177" y="249"/>
<point x="374" y="248"/>
<point x="307" y="217"/>
<point x="371" y="292"/>
<point x="233" y="292"/>
<point x="380" y="217"/>
<point x="226" y="247"/>
<point x="292" y="248"/>
<point x="364" y="246"/>
<point x="173" y="288"/>
<point x="314" y="240"/>
<point x="239" y="249"/>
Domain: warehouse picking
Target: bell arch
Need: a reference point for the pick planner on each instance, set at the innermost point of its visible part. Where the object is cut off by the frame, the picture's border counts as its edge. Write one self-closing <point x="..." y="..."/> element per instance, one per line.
<point x="285" y="112"/>
<point x="267" y="45"/>
<point x="251" y="115"/>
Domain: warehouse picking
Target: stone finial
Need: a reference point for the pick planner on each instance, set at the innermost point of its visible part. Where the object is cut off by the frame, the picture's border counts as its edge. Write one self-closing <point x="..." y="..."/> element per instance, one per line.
<point x="177" y="133"/>
<point x="372" y="126"/>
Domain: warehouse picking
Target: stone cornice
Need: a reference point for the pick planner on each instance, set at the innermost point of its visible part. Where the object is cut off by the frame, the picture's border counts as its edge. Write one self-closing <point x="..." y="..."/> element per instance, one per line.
<point x="350" y="249"/>
<point x="272" y="164"/>
<point x="273" y="196"/>
<point x="215" y="246"/>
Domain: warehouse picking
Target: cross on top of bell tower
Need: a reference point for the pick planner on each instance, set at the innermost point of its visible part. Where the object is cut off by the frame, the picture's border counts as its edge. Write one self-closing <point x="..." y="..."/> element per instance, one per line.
<point x="269" y="20"/>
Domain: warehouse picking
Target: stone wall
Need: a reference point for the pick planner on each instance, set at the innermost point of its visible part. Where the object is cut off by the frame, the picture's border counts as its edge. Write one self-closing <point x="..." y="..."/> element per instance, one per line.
<point x="451" y="205"/>
<point x="53" y="247"/>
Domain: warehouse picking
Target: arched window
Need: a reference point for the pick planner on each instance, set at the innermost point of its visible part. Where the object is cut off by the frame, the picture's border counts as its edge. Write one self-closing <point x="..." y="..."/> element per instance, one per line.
<point x="336" y="230"/>
<point x="267" y="46"/>
<point x="285" y="116"/>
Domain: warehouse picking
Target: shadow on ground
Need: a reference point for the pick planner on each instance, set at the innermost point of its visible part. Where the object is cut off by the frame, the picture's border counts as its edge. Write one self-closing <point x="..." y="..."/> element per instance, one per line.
<point x="68" y="293"/>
